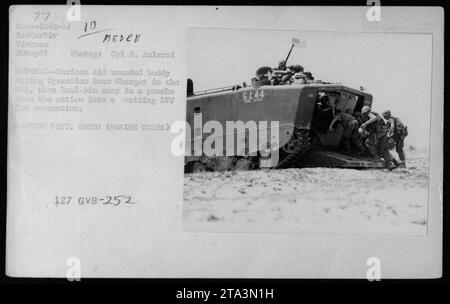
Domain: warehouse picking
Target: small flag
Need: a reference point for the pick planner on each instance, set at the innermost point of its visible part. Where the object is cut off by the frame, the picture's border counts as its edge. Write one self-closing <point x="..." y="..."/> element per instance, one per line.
<point x="298" y="43"/>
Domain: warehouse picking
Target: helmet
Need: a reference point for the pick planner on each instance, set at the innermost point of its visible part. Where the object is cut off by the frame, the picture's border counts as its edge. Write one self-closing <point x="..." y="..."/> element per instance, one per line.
<point x="296" y="68"/>
<point x="263" y="71"/>
<point x="365" y="109"/>
<point x="387" y="114"/>
<point x="308" y="75"/>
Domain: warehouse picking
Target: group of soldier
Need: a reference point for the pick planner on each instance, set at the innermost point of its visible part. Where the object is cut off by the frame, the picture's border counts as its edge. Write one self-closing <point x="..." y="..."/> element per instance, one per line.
<point x="373" y="134"/>
<point x="281" y="75"/>
<point x="369" y="132"/>
<point x="294" y="74"/>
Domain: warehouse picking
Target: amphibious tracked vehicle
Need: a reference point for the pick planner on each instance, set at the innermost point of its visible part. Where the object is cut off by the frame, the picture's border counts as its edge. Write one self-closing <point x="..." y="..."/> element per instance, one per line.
<point x="303" y="109"/>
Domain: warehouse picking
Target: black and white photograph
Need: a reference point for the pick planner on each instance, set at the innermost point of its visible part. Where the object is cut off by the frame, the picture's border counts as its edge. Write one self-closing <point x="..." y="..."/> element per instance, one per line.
<point x="224" y="142"/>
<point x="352" y="111"/>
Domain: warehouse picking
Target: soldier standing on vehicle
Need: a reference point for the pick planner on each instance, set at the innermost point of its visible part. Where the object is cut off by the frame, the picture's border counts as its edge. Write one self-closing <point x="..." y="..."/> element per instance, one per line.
<point x="284" y="74"/>
<point x="309" y="76"/>
<point x="281" y="65"/>
<point x="280" y="72"/>
<point x="397" y="131"/>
<point x="296" y="68"/>
<point x="351" y="134"/>
<point x="374" y="125"/>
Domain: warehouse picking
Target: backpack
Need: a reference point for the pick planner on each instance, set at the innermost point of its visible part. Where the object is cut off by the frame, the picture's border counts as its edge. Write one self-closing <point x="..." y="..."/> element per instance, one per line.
<point x="400" y="129"/>
<point x="379" y="126"/>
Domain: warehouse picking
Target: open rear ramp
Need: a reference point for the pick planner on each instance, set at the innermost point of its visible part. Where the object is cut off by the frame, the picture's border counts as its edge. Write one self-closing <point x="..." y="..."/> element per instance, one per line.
<point x="322" y="158"/>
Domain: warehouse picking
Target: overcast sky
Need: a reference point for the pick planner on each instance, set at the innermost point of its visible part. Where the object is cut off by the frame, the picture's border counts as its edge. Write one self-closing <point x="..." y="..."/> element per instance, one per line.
<point x="394" y="68"/>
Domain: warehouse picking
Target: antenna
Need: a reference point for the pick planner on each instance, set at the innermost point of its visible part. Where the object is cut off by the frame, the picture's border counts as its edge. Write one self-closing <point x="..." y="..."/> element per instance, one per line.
<point x="289" y="54"/>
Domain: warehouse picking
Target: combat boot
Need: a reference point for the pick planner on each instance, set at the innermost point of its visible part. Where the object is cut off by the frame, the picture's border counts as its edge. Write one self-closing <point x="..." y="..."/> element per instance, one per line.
<point x="391" y="166"/>
<point x="396" y="162"/>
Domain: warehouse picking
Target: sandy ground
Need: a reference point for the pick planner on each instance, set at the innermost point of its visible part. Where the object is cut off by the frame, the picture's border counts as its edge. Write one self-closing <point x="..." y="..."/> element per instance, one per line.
<point x="310" y="200"/>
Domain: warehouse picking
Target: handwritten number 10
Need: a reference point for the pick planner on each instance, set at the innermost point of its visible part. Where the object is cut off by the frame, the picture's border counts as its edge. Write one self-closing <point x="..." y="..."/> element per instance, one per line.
<point x="90" y="26"/>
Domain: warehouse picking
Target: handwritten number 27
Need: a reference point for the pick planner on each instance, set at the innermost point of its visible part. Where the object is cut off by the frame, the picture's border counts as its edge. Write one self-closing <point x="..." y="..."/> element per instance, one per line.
<point x="41" y="15"/>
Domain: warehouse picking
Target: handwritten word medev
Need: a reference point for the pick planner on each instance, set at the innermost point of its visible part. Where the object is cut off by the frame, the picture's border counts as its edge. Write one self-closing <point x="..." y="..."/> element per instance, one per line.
<point x="117" y="38"/>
